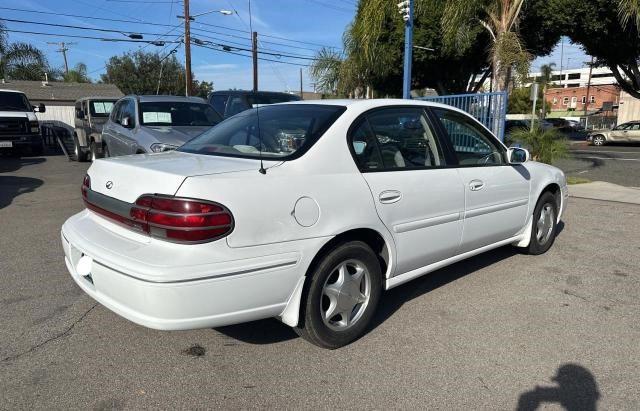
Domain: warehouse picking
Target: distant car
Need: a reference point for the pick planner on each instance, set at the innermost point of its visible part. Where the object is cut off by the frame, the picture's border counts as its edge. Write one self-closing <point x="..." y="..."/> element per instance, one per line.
<point x="623" y="133"/>
<point x="152" y="124"/>
<point x="19" y="127"/>
<point x="564" y="125"/>
<point x="231" y="102"/>
<point x="306" y="212"/>
<point x="91" y="113"/>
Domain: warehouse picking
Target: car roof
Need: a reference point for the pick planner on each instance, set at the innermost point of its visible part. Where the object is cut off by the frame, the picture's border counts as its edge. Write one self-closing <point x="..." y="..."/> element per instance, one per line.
<point x="160" y="98"/>
<point x="264" y="93"/>
<point x="367" y="104"/>
<point x="98" y="98"/>
<point x="11" y="91"/>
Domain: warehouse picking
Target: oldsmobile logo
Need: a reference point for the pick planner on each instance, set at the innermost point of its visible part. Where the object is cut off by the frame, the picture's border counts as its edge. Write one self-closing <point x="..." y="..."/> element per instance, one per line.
<point x="109" y="185"/>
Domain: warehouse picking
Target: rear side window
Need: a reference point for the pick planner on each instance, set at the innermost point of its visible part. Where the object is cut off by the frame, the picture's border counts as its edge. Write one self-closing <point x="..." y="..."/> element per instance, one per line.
<point x="365" y="149"/>
<point x="472" y="145"/>
<point x="405" y="139"/>
<point x="275" y="132"/>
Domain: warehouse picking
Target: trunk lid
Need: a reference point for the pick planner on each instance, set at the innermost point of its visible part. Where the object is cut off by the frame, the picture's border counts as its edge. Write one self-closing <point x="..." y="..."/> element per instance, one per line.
<point x="128" y="177"/>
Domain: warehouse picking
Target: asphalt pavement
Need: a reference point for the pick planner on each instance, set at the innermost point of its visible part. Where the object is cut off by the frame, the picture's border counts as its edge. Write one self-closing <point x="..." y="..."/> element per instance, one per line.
<point x="618" y="164"/>
<point x="499" y="331"/>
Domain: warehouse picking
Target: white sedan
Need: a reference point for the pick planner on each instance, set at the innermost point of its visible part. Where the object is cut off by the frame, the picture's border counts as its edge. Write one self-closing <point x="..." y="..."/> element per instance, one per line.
<point x="306" y="212"/>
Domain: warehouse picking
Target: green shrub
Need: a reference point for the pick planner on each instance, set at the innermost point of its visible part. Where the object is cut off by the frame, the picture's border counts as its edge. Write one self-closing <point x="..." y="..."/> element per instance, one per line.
<point x="545" y="146"/>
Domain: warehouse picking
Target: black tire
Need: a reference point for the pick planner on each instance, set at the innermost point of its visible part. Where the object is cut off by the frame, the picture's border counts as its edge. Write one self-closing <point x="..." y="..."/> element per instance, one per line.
<point x="78" y="154"/>
<point x="537" y="245"/>
<point x="93" y="151"/>
<point x="311" y="325"/>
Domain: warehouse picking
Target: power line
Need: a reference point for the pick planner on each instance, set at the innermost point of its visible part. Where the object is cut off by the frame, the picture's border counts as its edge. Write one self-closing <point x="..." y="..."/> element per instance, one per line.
<point x="245" y="55"/>
<point x="87" y="37"/>
<point x="75" y="27"/>
<point x="80" y="16"/>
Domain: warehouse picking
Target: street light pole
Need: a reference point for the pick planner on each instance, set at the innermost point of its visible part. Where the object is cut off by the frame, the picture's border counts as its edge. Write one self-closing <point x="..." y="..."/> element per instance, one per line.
<point x="406" y="9"/>
<point x="187" y="48"/>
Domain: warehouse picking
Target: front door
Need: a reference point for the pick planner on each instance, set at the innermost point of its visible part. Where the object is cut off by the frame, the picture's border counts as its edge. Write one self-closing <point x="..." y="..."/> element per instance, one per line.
<point x="496" y="192"/>
<point x="417" y="197"/>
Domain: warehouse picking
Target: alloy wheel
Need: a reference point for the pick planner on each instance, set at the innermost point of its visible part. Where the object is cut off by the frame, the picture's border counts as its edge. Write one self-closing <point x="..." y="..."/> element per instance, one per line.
<point x="598" y="140"/>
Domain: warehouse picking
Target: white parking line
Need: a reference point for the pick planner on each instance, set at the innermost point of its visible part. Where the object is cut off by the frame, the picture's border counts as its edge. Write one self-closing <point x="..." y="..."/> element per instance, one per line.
<point x="608" y="152"/>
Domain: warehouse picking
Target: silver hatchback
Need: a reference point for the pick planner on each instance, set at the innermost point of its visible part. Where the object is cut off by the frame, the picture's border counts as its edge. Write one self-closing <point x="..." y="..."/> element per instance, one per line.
<point x="152" y="124"/>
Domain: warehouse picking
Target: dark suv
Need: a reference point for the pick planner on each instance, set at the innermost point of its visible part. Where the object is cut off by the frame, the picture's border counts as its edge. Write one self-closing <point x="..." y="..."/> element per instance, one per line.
<point x="231" y="102"/>
<point x="19" y="127"/>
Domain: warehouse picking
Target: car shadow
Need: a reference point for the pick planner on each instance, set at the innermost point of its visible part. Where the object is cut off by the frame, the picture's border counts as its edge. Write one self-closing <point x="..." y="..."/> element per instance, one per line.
<point x="576" y="390"/>
<point x="10" y="164"/>
<point x="12" y="186"/>
<point x="270" y="331"/>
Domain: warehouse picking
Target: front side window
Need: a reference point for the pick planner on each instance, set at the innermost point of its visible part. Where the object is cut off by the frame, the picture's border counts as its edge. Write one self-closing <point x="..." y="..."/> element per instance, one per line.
<point x="177" y="113"/>
<point x="273" y="132"/>
<point x="236" y="105"/>
<point x="117" y="111"/>
<point x="405" y="139"/>
<point x="472" y="144"/>
<point x="219" y="103"/>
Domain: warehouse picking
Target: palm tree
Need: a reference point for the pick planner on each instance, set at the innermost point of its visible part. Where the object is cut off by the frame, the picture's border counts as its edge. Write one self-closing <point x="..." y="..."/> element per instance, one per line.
<point x="546" y="74"/>
<point x="629" y="11"/>
<point x="326" y="70"/>
<point x="500" y="19"/>
<point x="20" y="61"/>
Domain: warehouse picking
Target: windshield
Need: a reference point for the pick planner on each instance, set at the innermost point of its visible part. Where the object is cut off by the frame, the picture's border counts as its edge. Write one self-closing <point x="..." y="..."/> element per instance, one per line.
<point x="101" y="108"/>
<point x="10" y="101"/>
<point x="284" y="130"/>
<point x="178" y="113"/>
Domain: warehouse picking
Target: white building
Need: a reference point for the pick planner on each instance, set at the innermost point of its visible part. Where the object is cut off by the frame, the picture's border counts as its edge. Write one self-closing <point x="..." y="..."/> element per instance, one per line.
<point x="577" y="77"/>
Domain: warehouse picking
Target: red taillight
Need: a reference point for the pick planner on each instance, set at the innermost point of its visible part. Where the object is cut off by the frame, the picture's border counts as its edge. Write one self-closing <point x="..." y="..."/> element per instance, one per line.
<point x="86" y="185"/>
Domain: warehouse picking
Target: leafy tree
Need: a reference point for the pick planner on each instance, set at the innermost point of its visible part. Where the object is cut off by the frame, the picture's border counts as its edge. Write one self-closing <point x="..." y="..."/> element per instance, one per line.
<point x="77" y="75"/>
<point x="21" y="61"/>
<point x="520" y="101"/>
<point x="140" y="72"/>
<point x="629" y="11"/>
<point x="546" y="73"/>
<point x="545" y="145"/>
<point x="597" y="26"/>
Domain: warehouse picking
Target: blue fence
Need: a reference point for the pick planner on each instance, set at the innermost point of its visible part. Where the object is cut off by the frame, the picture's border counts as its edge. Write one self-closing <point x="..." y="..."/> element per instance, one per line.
<point x="489" y="108"/>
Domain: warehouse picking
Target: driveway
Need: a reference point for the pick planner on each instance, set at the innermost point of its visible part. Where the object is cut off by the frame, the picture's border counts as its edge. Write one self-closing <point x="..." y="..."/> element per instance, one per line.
<point x="499" y="331"/>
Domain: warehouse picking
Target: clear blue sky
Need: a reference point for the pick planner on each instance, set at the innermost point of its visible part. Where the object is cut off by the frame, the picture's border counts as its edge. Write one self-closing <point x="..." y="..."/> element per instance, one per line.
<point x="312" y="21"/>
<point x="320" y="22"/>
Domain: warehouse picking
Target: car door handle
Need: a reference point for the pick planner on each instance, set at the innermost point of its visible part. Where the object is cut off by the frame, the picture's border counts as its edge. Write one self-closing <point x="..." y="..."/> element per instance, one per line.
<point x="476" y="185"/>
<point x="390" y="196"/>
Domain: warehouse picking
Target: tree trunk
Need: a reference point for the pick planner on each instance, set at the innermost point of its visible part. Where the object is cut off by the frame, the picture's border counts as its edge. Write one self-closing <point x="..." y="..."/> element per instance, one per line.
<point x="499" y="74"/>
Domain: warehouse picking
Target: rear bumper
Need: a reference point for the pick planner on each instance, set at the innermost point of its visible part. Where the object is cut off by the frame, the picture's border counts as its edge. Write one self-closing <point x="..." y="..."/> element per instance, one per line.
<point x="179" y="297"/>
<point x="21" y="141"/>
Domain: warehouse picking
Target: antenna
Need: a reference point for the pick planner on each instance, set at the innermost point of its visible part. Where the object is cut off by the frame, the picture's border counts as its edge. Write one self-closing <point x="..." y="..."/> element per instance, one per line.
<point x="262" y="170"/>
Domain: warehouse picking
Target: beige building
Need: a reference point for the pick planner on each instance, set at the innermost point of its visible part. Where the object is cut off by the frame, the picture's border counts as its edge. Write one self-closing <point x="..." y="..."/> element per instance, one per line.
<point x="629" y="109"/>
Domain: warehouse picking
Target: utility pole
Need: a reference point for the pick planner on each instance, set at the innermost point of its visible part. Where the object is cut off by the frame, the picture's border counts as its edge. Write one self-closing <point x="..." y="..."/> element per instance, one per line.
<point x="187" y="48"/>
<point x="586" y="102"/>
<point x="63" y="49"/>
<point x="561" y="59"/>
<point x="300" y="82"/>
<point x="406" y="9"/>
<point x="254" y="53"/>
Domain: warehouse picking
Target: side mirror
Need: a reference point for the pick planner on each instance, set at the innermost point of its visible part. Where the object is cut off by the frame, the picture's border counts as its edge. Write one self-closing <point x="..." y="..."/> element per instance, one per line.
<point x="126" y="122"/>
<point x="40" y="109"/>
<point x="518" y="155"/>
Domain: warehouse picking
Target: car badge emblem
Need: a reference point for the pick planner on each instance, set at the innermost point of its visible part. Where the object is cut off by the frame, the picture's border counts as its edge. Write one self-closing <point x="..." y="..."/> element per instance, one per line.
<point x="109" y="185"/>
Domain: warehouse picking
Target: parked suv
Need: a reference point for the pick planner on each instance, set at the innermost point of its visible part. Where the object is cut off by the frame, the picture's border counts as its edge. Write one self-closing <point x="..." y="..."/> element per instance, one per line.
<point x="231" y="102"/>
<point x="19" y="127"/>
<point x="90" y="115"/>
<point x="151" y="124"/>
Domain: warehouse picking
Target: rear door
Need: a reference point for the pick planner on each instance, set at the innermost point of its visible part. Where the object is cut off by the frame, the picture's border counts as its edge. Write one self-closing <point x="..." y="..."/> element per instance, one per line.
<point x="633" y="133"/>
<point x="496" y="193"/>
<point x="417" y="195"/>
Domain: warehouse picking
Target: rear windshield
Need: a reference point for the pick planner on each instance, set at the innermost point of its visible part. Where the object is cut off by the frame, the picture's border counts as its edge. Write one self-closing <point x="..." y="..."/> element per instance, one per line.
<point x="178" y="113"/>
<point x="283" y="131"/>
<point x="101" y="108"/>
<point x="262" y="99"/>
<point x="14" y="102"/>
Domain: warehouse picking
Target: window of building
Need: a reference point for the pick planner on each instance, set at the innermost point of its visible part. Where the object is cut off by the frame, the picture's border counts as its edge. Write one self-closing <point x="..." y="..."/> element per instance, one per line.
<point x="574" y="76"/>
<point x="565" y="101"/>
<point x="555" y="101"/>
<point x="601" y="75"/>
<point x="584" y="99"/>
<point x="592" y="99"/>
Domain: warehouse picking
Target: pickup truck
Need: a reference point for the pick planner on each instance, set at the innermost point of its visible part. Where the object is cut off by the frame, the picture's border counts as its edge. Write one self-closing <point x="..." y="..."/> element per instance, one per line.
<point x="19" y="127"/>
